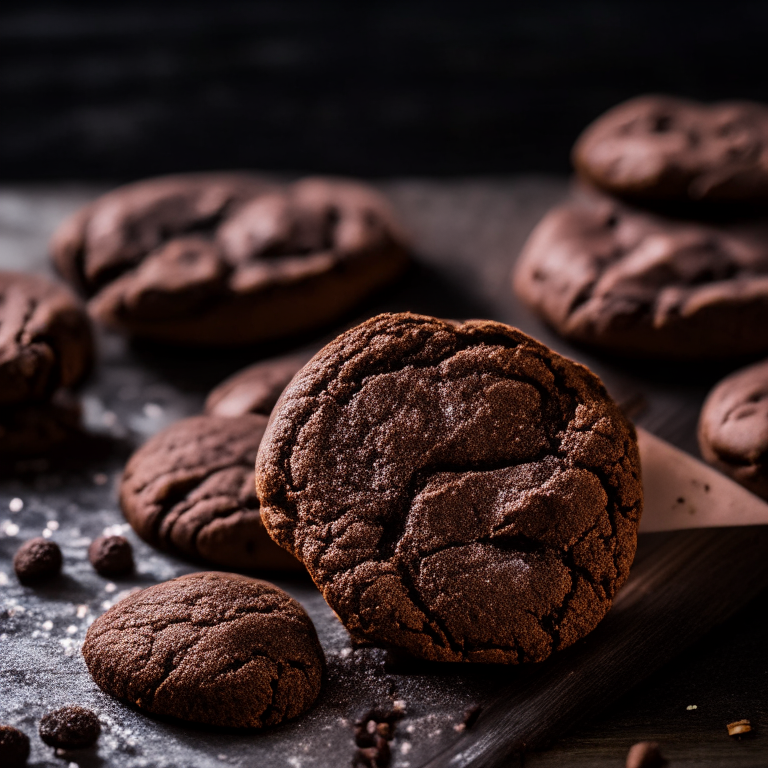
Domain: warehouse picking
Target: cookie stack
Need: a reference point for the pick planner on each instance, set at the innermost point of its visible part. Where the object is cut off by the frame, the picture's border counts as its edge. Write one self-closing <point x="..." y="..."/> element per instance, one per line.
<point x="662" y="252"/>
<point x="46" y="346"/>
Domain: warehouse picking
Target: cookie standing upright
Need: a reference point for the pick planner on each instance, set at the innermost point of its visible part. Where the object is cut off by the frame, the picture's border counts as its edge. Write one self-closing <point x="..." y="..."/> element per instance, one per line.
<point x="219" y="259"/>
<point x="661" y="148"/>
<point x="211" y="648"/>
<point x="613" y="276"/>
<point x="189" y="490"/>
<point x="456" y="491"/>
<point x="733" y="427"/>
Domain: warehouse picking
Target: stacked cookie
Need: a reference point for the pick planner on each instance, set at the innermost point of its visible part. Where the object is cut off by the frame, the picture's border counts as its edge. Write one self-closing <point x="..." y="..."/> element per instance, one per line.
<point x="661" y="252"/>
<point x="46" y="346"/>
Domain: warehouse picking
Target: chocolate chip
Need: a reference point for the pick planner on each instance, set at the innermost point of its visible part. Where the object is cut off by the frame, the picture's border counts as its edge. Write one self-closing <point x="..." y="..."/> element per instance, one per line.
<point x="36" y="560"/>
<point x="70" y="727"/>
<point x="14" y="747"/>
<point x="111" y="555"/>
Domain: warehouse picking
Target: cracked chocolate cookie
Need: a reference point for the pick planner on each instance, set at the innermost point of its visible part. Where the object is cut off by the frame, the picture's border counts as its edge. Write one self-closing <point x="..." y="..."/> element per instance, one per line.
<point x="733" y="427"/>
<point x="189" y="490"/>
<point x="210" y="648"/>
<point x="665" y="148"/>
<point x="228" y="259"/>
<point x="45" y="338"/>
<point x="254" y="389"/>
<point x="456" y="490"/>
<point x="611" y="276"/>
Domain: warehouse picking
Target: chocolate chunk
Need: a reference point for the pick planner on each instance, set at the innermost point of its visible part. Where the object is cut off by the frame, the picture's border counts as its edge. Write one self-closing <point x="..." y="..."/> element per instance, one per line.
<point x="190" y="490"/>
<point x="254" y="389"/>
<point x="70" y="727"/>
<point x="209" y="648"/>
<point x="635" y="283"/>
<point x="14" y="747"/>
<point x="111" y="555"/>
<point x="733" y="427"/>
<point x="36" y="560"/>
<point x="229" y="259"/>
<point x="457" y="491"/>
<point x="665" y="148"/>
<point x="45" y="338"/>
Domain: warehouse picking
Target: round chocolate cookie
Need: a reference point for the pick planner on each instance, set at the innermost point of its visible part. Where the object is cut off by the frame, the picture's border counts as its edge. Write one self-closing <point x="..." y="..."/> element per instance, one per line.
<point x="70" y="727"/>
<point x="665" y="148"/>
<point x="14" y="747"/>
<point x="255" y="389"/>
<point x="733" y="427"/>
<point x="212" y="648"/>
<point x="457" y="491"/>
<point x="228" y="259"/>
<point x="36" y="429"/>
<point x="189" y="489"/>
<point x="37" y="560"/>
<point x="45" y="338"/>
<point x="605" y="274"/>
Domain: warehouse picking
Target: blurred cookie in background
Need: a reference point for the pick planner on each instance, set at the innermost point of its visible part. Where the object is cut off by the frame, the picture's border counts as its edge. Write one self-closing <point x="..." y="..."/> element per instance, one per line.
<point x="229" y="259"/>
<point x="733" y="427"/>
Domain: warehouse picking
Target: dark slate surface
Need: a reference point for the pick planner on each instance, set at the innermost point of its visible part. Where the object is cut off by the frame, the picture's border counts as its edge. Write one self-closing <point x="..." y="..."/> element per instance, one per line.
<point x="467" y="234"/>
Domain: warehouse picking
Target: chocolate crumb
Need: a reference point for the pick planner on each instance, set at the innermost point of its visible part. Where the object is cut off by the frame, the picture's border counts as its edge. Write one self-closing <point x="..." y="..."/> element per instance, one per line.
<point x="37" y="559"/>
<point x="70" y="727"/>
<point x="373" y="732"/>
<point x="111" y="555"/>
<point x="739" y="727"/>
<point x="14" y="747"/>
<point x="469" y="719"/>
<point x="645" y="754"/>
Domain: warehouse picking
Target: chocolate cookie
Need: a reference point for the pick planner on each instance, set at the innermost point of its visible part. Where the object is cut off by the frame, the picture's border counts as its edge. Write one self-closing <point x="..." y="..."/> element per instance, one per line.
<point x="254" y="389"/>
<point x="70" y="727"/>
<point x="189" y="489"/>
<point x="665" y="148"/>
<point x="37" y="429"/>
<point x="612" y="276"/>
<point x="211" y="648"/>
<point x="733" y="427"/>
<point x="457" y="491"/>
<point x="228" y="259"/>
<point x="45" y="338"/>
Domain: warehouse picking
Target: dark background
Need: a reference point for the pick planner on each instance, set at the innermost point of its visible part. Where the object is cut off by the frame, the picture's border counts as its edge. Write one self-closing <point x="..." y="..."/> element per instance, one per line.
<point x="125" y="89"/>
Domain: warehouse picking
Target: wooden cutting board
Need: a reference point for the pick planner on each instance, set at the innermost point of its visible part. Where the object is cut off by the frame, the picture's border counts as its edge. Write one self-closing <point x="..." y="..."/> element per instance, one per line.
<point x="467" y="234"/>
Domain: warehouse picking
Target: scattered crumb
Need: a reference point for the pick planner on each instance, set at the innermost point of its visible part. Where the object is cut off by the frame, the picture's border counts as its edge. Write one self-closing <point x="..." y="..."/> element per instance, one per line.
<point x="645" y="754"/>
<point x="47" y="625"/>
<point x="52" y="525"/>
<point x="110" y="587"/>
<point x="739" y="727"/>
<point x="3" y="578"/>
<point x="16" y="505"/>
<point x="405" y="747"/>
<point x="153" y="411"/>
<point x="47" y="533"/>
<point x="82" y="611"/>
<point x="691" y="706"/>
<point x="10" y="529"/>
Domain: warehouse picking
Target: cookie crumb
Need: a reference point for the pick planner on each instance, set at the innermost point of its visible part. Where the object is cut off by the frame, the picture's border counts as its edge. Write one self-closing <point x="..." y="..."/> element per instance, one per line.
<point x="36" y="560"/>
<point x="645" y="754"/>
<point x="739" y="727"/>
<point x="14" y="747"/>
<point x="691" y="706"/>
<point x="70" y="727"/>
<point x="111" y="555"/>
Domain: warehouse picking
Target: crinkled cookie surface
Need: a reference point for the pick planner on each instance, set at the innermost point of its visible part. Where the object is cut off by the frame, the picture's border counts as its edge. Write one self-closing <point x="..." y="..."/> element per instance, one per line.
<point x="456" y="491"/>
<point x="211" y="648"/>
